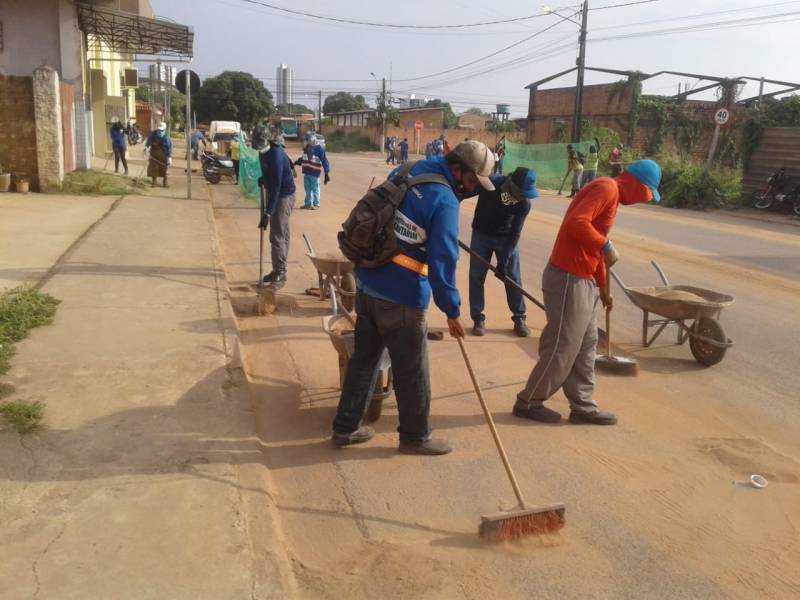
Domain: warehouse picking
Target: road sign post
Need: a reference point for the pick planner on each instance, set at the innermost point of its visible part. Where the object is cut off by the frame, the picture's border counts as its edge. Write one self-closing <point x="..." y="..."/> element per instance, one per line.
<point x="418" y="125"/>
<point x="187" y="81"/>
<point x="721" y="117"/>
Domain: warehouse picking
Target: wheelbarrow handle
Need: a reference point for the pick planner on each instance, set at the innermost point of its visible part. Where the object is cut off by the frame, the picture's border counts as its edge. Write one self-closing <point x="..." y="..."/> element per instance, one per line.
<point x="660" y="271"/>
<point x="308" y="245"/>
<point x="506" y="279"/>
<point x="335" y="305"/>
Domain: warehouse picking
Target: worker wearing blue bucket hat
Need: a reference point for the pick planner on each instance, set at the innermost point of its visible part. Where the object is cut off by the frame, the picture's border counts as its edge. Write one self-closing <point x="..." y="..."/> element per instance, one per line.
<point x="575" y="276"/>
<point x="496" y="228"/>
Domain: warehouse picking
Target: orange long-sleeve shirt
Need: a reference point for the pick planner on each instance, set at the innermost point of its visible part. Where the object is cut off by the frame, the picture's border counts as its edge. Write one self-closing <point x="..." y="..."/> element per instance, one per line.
<point x="584" y="230"/>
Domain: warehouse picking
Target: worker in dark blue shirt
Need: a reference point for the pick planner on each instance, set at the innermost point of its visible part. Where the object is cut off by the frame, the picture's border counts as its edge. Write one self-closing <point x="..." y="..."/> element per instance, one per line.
<point x="496" y="229"/>
<point x="278" y="180"/>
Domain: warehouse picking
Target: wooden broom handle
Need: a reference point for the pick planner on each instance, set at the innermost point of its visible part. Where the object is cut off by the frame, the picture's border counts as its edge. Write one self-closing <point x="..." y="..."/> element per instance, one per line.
<point x="492" y="427"/>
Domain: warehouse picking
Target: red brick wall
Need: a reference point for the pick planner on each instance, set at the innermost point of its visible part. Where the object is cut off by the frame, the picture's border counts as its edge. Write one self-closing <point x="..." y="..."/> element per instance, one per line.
<point x="433" y="119"/>
<point x="67" y="125"/>
<point x="18" y="128"/>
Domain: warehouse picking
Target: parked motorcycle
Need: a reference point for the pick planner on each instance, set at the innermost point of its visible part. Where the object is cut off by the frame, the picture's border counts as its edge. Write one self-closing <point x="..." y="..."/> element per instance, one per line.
<point x="215" y="167"/>
<point x="778" y="193"/>
<point x="134" y="135"/>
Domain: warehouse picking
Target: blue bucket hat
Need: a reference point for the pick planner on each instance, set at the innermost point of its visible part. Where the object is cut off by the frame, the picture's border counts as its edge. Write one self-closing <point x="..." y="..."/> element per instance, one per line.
<point x="649" y="173"/>
<point x="525" y="180"/>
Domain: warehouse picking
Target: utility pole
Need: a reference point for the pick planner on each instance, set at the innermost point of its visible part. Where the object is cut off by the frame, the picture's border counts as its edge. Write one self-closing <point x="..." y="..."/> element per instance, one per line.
<point x="760" y="92"/>
<point x="576" y="124"/>
<point x="319" y="111"/>
<point x="158" y="88"/>
<point x="188" y="136"/>
<point x="383" y="112"/>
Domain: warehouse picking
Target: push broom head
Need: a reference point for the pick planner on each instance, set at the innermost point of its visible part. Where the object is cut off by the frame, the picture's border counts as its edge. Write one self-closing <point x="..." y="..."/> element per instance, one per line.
<point x="522" y="522"/>
<point x="617" y="365"/>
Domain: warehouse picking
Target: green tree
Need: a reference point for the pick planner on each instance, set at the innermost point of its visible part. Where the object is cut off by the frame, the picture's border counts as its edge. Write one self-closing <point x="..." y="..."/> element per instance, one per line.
<point x="342" y="102"/>
<point x="293" y="109"/>
<point x="450" y="119"/>
<point x="233" y="96"/>
<point x="476" y="111"/>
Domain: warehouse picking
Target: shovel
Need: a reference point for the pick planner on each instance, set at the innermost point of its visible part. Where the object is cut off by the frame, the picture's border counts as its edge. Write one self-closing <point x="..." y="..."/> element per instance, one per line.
<point x="618" y="365"/>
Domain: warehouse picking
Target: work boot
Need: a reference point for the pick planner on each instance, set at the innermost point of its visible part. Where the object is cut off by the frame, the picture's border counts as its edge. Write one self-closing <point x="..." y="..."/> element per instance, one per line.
<point x="536" y="413"/>
<point x="431" y="447"/>
<point x="520" y="328"/>
<point x="359" y="436"/>
<point x="278" y="281"/>
<point x="269" y="277"/>
<point x="479" y="328"/>
<point x="600" y="417"/>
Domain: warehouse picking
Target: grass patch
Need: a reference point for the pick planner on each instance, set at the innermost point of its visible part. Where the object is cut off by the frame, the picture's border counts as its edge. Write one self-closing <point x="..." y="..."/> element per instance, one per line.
<point x="99" y="183"/>
<point x="6" y="390"/>
<point x="339" y="141"/>
<point x="22" y="415"/>
<point x="21" y="309"/>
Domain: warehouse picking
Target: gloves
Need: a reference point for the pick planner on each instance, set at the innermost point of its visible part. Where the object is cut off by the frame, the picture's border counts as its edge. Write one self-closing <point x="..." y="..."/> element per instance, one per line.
<point x="264" y="222"/>
<point x="327" y="178"/>
<point x="169" y="161"/>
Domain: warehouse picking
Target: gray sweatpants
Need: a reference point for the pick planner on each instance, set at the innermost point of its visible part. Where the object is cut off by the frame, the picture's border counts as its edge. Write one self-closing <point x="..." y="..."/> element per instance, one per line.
<point x="279" y="233"/>
<point x="568" y="343"/>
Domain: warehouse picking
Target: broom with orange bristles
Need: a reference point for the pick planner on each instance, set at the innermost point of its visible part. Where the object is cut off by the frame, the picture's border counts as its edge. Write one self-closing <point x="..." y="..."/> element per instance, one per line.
<point x="524" y="520"/>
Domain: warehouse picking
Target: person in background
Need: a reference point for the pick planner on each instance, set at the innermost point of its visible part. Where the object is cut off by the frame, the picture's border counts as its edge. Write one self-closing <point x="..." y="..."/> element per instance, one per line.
<point x="158" y="149"/>
<point x="575" y="277"/>
<point x="198" y="137"/>
<point x="235" y="155"/>
<point x="615" y="160"/>
<point x="592" y="162"/>
<point x="392" y="301"/>
<point x="428" y="150"/>
<point x="391" y="148"/>
<point x="446" y="149"/>
<point x="278" y="180"/>
<point x="118" y="135"/>
<point x="313" y="162"/>
<point x="499" y="155"/>
<point x="404" y="150"/>
<point x="578" y="159"/>
<point x="496" y="229"/>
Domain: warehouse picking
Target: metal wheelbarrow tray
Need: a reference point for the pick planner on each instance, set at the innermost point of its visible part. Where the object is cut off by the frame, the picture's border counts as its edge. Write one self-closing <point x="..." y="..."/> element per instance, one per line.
<point x="678" y="304"/>
<point x="335" y="268"/>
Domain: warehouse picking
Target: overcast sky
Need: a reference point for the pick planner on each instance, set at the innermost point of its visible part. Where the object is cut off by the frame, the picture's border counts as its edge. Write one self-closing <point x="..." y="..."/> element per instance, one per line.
<point x="240" y="35"/>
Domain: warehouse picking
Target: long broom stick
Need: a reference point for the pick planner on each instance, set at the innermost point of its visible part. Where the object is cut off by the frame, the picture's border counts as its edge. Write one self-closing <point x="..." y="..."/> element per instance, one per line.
<point x="524" y="520"/>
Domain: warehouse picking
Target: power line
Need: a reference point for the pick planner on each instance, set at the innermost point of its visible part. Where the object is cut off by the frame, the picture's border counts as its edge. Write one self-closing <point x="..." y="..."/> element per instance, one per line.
<point x="392" y="25"/>
<point x="621" y="5"/>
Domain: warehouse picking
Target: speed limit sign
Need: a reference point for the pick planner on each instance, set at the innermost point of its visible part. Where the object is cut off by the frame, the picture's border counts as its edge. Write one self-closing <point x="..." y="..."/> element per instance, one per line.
<point x="721" y="116"/>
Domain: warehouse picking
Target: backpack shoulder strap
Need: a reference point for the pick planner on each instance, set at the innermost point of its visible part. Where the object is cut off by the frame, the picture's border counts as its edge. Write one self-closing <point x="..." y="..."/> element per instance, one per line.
<point x="428" y="178"/>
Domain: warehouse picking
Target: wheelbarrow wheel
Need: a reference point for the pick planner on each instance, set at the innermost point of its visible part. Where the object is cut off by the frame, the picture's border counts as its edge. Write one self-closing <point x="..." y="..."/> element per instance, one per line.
<point x="349" y="288"/>
<point x="703" y="352"/>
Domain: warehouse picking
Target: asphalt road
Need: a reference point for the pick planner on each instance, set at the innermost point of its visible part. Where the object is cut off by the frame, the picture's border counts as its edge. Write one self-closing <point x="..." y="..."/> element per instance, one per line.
<point x="655" y="505"/>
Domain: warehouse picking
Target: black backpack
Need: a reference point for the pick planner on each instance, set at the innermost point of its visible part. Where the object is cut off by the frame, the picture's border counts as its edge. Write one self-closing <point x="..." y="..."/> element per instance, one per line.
<point x="368" y="238"/>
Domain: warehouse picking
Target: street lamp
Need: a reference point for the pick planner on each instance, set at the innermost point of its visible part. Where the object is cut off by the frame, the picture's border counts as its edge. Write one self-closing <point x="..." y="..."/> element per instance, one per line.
<point x="381" y="107"/>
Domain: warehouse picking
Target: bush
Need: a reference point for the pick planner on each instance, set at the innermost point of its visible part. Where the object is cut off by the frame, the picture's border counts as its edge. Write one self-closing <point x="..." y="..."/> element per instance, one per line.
<point x="339" y="141"/>
<point x="689" y="185"/>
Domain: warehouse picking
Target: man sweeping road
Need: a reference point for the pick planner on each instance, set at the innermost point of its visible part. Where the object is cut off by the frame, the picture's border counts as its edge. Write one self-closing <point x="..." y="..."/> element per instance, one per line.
<point x="496" y="229"/>
<point x="393" y="296"/>
<point x="578" y="267"/>
<point x="278" y="181"/>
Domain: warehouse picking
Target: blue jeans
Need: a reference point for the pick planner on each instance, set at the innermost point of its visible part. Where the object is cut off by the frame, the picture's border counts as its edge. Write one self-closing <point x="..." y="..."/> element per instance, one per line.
<point x="486" y="245"/>
<point x="311" y="185"/>
<point x="588" y="177"/>
<point x="403" y="330"/>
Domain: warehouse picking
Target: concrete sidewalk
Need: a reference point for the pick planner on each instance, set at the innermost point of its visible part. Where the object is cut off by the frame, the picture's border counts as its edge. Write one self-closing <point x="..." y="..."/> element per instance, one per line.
<point x="147" y="480"/>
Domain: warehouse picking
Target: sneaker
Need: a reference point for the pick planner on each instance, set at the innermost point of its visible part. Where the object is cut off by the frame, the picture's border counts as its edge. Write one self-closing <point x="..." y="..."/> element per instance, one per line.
<point x="359" y="436"/>
<point x="536" y="413"/>
<point x="304" y="207"/>
<point x="479" y="328"/>
<point x="520" y="328"/>
<point x="278" y="281"/>
<point x="315" y="207"/>
<point x="600" y="417"/>
<point x="431" y="447"/>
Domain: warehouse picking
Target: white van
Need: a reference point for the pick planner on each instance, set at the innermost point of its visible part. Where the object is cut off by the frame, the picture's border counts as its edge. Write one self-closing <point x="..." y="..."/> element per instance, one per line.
<point x="221" y="134"/>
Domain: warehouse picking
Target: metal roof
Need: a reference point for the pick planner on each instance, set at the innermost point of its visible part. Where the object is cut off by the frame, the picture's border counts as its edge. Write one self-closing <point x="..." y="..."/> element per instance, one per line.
<point x="131" y="34"/>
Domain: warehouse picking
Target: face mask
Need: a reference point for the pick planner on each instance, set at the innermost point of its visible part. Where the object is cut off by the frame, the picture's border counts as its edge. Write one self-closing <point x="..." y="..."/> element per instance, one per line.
<point x="160" y="133"/>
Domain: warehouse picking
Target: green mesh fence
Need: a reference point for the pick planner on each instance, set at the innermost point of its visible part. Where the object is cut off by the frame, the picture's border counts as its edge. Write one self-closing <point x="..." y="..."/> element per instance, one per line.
<point x="249" y="170"/>
<point x="548" y="160"/>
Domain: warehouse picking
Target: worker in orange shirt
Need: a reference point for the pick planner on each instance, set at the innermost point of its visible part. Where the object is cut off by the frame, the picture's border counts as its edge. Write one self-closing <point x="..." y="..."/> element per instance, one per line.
<point x="575" y="277"/>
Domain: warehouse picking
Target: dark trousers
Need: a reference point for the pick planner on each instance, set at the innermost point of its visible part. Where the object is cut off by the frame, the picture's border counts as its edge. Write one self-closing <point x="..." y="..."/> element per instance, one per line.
<point x="486" y="245"/>
<point x="119" y="155"/>
<point x="403" y="330"/>
<point x="235" y="169"/>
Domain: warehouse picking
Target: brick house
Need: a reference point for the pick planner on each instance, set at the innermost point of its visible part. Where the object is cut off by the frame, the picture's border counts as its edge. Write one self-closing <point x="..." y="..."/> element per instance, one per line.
<point x="61" y="79"/>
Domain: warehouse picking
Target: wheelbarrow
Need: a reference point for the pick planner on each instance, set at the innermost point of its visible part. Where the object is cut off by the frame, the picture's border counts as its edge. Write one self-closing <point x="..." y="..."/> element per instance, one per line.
<point x="332" y="268"/>
<point x="340" y="327"/>
<point x="678" y="304"/>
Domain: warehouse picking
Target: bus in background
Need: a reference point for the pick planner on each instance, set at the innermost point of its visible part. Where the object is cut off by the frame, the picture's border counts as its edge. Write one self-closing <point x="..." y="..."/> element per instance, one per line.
<point x="290" y="127"/>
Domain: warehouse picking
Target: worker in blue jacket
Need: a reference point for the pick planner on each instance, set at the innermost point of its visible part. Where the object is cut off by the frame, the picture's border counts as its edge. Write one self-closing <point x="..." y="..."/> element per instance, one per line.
<point x="313" y="162"/>
<point x="278" y="180"/>
<point x="118" y="135"/>
<point x="392" y="300"/>
<point x="496" y="229"/>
